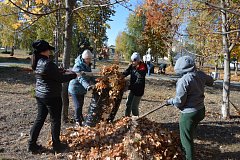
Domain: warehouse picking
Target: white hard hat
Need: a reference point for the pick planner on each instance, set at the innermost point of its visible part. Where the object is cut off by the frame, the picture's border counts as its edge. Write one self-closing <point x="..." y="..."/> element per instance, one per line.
<point x="135" y="57"/>
<point x="87" y="54"/>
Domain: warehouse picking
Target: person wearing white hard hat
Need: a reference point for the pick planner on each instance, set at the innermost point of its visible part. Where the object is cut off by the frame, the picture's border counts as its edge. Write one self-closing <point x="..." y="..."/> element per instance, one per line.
<point x="137" y="70"/>
<point x="78" y="87"/>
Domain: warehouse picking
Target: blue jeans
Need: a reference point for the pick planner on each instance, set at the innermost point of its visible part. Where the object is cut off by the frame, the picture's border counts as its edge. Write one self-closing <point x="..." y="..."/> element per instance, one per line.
<point x="132" y="104"/>
<point x="149" y="66"/>
<point x="78" y="101"/>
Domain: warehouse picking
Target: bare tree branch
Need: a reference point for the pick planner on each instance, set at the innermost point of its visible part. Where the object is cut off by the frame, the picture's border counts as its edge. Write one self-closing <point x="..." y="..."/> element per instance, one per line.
<point x="194" y="9"/>
<point x="233" y="31"/>
<point x="99" y="5"/>
<point x="36" y="14"/>
<point x="187" y="35"/>
<point x="218" y="7"/>
<point x="237" y="39"/>
<point x="84" y="6"/>
<point x="30" y="24"/>
<point x="127" y="8"/>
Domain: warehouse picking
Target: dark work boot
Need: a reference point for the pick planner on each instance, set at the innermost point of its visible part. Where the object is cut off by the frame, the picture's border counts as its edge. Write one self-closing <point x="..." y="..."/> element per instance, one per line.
<point x="59" y="147"/>
<point x="35" y="148"/>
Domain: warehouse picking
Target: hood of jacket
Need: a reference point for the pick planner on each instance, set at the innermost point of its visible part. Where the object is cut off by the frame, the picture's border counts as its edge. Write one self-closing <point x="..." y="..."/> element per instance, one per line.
<point x="184" y="65"/>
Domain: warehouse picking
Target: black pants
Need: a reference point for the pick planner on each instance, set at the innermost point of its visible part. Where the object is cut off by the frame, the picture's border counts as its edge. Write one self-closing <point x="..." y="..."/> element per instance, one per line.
<point x="53" y="106"/>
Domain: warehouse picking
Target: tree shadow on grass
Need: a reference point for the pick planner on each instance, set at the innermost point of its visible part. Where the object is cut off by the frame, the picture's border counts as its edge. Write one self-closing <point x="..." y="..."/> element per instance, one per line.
<point x="233" y="86"/>
<point x="213" y="135"/>
<point x="19" y="75"/>
<point x="15" y="60"/>
<point x="207" y="152"/>
<point x="167" y="83"/>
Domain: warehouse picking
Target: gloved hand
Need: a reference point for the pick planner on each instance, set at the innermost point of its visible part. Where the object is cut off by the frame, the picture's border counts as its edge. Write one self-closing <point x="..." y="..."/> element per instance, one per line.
<point x="61" y="70"/>
<point x="91" y="87"/>
<point x="167" y="102"/>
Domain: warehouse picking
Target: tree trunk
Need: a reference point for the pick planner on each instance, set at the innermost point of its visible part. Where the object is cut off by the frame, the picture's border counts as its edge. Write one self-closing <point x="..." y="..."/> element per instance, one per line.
<point x="66" y="53"/>
<point x="236" y="69"/>
<point x="95" y="44"/>
<point x="57" y="36"/>
<point x="14" y="44"/>
<point x="170" y="57"/>
<point x="94" y="55"/>
<point x="216" y="65"/>
<point x="12" y="52"/>
<point x="226" y="80"/>
<point x="202" y="63"/>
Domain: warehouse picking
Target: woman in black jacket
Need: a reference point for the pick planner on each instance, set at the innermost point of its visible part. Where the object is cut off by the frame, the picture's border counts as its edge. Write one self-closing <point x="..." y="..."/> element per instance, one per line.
<point x="48" y="94"/>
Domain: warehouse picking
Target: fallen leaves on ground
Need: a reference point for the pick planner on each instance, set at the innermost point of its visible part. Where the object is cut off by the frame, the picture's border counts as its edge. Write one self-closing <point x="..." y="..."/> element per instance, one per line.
<point x="119" y="140"/>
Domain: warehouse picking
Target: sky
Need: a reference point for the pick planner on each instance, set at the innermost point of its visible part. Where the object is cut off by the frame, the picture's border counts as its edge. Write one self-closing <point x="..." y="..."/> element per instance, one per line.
<point x="119" y="21"/>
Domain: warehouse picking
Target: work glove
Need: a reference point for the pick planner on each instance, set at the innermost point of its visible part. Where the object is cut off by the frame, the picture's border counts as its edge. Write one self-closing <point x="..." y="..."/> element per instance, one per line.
<point x="61" y="70"/>
<point x="168" y="102"/>
<point x="91" y="87"/>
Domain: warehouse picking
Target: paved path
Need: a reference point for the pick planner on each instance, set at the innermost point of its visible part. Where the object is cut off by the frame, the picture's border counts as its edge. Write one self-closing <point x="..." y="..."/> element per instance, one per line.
<point x="175" y="78"/>
<point x="7" y="64"/>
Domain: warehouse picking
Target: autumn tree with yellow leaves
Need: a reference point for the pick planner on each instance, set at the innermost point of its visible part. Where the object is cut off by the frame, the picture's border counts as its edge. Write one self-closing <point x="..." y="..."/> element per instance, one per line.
<point x="53" y="19"/>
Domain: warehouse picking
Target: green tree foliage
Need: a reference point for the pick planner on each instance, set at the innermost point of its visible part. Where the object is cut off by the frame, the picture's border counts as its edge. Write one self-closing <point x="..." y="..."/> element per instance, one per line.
<point x="204" y="30"/>
<point x="37" y="20"/>
<point x="21" y="28"/>
<point x="92" y="21"/>
<point x="152" y="26"/>
<point x="201" y="32"/>
<point x="136" y="26"/>
<point x="121" y="44"/>
<point x="8" y="24"/>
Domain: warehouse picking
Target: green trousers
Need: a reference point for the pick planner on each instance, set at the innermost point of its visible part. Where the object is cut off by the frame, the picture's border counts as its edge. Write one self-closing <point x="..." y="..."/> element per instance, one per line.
<point x="188" y="124"/>
<point x="132" y="104"/>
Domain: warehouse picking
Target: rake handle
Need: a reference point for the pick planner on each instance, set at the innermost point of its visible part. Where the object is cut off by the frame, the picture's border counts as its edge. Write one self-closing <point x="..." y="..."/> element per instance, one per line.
<point x="153" y="110"/>
<point x="235" y="107"/>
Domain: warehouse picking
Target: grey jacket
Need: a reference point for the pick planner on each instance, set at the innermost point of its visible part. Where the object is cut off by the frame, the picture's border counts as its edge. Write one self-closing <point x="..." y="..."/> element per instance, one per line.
<point x="190" y="88"/>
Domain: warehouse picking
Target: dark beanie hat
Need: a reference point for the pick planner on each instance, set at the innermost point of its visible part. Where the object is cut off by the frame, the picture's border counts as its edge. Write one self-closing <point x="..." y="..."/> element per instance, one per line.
<point x="41" y="46"/>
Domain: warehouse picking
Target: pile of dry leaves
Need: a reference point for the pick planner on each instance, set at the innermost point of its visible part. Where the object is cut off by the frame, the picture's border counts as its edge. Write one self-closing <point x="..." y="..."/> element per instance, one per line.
<point x="109" y="88"/>
<point x="122" y="139"/>
<point x="119" y="140"/>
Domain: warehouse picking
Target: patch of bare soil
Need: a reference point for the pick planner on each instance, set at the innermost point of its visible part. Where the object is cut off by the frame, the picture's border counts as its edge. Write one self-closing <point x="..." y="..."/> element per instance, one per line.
<point x="215" y="138"/>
